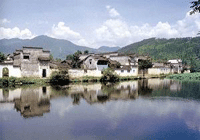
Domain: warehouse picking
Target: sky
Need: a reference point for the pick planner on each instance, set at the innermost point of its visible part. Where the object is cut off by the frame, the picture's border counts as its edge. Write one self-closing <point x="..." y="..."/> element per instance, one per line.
<point x="95" y="23"/>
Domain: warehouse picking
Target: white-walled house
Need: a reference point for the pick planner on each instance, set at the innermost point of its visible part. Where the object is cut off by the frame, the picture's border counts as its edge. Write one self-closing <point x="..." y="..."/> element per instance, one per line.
<point x="28" y="62"/>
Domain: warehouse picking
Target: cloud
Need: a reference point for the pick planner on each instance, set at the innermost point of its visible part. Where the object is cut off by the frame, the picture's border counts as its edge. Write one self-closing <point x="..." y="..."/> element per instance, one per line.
<point x="117" y="32"/>
<point x="4" y="21"/>
<point x="112" y="12"/>
<point x="15" y="33"/>
<point x="63" y="32"/>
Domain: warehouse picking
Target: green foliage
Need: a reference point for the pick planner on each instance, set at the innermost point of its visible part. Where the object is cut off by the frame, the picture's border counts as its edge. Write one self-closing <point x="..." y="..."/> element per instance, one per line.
<point x="144" y="64"/>
<point x="13" y="81"/>
<point x="109" y="75"/>
<point x="58" y="60"/>
<point x="51" y="56"/>
<point x="75" y="60"/>
<point x="187" y="49"/>
<point x="2" y="57"/>
<point x="86" y="52"/>
<point x="195" y="6"/>
<point x="59" y="78"/>
<point x="69" y="57"/>
<point x="186" y="76"/>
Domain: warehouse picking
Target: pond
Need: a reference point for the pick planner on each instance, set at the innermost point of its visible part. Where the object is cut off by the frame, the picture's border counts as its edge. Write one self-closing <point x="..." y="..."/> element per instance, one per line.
<point x="143" y="109"/>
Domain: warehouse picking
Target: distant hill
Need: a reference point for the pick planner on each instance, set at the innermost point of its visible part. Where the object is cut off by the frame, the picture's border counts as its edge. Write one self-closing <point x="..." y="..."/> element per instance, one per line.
<point x="58" y="47"/>
<point x="165" y="49"/>
<point x="108" y="49"/>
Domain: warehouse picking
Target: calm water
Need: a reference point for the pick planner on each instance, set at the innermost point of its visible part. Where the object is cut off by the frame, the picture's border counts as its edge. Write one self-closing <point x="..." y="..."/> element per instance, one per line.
<point x="148" y="109"/>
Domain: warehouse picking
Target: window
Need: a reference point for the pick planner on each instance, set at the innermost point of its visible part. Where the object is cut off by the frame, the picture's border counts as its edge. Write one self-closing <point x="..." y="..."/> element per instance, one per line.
<point x="26" y="57"/>
<point x="90" y="61"/>
<point x="122" y="71"/>
<point x="133" y="71"/>
<point x="128" y="71"/>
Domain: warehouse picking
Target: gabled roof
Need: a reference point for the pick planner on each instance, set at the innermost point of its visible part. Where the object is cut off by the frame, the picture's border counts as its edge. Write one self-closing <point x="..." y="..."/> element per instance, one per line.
<point x="44" y="58"/>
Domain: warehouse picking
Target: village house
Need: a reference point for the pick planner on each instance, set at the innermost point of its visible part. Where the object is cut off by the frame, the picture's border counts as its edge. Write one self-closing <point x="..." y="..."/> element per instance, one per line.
<point x="28" y="62"/>
<point x="176" y="65"/>
<point x="91" y="65"/>
<point x="159" y="68"/>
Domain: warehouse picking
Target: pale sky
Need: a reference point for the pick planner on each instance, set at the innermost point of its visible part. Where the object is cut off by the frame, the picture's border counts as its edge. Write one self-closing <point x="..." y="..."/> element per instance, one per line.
<point x="96" y="23"/>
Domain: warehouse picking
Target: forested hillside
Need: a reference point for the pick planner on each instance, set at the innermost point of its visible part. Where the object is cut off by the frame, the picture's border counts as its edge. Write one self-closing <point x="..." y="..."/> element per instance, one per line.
<point x="187" y="49"/>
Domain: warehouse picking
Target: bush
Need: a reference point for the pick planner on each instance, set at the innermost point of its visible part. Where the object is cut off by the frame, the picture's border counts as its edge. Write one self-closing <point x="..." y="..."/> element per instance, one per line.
<point x="59" y="78"/>
<point x="109" y="76"/>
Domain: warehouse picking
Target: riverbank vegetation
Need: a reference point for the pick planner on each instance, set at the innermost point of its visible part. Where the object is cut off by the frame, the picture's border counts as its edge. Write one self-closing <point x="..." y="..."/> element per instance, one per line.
<point x="13" y="81"/>
<point x="109" y="76"/>
<point x="185" y="77"/>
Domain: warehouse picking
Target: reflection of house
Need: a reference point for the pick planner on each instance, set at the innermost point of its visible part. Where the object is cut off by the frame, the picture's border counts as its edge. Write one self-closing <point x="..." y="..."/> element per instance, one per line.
<point x="33" y="102"/>
<point x="28" y="62"/>
<point x="125" y="91"/>
<point x="98" y="93"/>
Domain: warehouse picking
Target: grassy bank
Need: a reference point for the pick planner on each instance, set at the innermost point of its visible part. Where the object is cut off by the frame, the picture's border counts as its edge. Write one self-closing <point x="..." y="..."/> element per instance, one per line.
<point x="13" y="81"/>
<point x="185" y="76"/>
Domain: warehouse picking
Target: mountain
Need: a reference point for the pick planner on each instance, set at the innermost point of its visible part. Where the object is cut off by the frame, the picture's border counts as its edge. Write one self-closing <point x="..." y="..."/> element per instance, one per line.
<point x="165" y="49"/>
<point x="107" y="49"/>
<point x="58" y="47"/>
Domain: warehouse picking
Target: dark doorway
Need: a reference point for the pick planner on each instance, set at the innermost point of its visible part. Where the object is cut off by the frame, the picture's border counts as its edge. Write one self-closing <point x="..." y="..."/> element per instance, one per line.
<point x="5" y="72"/>
<point x="44" y="90"/>
<point x="44" y="73"/>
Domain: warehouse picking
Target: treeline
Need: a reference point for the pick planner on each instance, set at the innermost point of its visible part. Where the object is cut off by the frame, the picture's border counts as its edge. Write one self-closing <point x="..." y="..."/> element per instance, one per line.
<point x="187" y="49"/>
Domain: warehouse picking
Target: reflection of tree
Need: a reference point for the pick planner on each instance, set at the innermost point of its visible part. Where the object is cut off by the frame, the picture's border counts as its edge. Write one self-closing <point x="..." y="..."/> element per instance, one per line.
<point x="76" y="98"/>
<point x="58" y="90"/>
<point x="143" y="88"/>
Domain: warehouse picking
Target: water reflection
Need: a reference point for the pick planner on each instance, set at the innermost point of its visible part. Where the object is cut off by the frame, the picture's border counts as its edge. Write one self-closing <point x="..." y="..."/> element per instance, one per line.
<point x="144" y="109"/>
<point x="35" y="101"/>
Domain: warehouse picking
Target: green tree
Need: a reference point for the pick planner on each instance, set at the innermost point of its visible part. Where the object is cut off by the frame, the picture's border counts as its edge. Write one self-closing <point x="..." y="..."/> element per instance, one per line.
<point x="2" y="57"/>
<point x="195" y="7"/>
<point x="86" y="52"/>
<point x="75" y="60"/>
<point x="69" y="57"/>
<point x="144" y="65"/>
<point x="109" y="76"/>
<point x="51" y="56"/>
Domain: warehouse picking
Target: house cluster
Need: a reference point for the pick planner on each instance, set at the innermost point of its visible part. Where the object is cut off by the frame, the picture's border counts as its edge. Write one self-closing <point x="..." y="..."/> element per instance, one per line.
<point x="35" y="62"/>
<point x="123" y="65"/>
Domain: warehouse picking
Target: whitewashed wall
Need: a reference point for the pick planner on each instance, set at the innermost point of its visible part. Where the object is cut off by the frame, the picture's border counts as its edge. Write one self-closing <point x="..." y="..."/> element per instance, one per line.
<point x="13" y="71"/>
<point x="157" y="71"/>
<point x="133" y="72"/>
<point x="77" y="73"/>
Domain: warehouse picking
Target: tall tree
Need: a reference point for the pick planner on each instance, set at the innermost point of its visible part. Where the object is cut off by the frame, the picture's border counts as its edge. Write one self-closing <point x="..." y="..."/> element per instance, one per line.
<point x="76" y="59"/>
<point x="86" y="52"/>
<point x="2" y="57"/>
<point x="195" y="6"/>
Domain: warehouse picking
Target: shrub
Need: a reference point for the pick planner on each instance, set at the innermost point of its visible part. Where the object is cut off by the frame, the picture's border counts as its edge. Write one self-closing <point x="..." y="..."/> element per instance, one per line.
<point x="59" y="78"/>
<point x="109" y="75"/>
